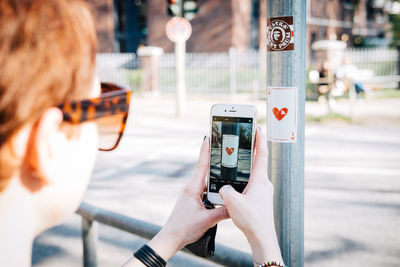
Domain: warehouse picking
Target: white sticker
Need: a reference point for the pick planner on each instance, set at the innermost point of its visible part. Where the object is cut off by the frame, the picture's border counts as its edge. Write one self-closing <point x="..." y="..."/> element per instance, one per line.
<point x="282" y="114"/>
<point x="230" y="147"/>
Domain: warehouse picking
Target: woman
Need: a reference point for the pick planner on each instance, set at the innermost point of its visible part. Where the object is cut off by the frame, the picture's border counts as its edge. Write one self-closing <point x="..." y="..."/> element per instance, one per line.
<point x="54" y="114"/>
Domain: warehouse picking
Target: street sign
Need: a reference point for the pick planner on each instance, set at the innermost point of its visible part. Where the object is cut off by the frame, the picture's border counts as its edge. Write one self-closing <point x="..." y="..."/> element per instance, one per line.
<point x="178" y="29"/>
<point x="282" y="114"/>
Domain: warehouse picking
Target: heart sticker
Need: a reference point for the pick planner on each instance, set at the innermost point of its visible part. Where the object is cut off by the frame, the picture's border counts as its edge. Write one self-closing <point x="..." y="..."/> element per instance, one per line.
<point x="229" y="150"/>
<point x="279" y="114"/>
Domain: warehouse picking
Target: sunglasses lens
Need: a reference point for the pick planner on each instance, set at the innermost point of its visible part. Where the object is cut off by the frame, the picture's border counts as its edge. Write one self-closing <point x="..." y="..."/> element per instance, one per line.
<point x="110" y="129"/>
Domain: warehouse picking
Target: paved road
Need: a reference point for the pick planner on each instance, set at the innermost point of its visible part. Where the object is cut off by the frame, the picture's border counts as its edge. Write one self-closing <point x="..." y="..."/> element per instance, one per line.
<point x="352" y="189"/>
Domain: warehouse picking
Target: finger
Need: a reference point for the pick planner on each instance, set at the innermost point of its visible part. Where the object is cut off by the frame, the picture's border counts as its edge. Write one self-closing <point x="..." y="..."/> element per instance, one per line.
<point x="197" y="182"/>
<point x="217" y="215"/>
<point x="230" y="196"/>
<point x="261" y="158"/>
<point x="224" y="189"/>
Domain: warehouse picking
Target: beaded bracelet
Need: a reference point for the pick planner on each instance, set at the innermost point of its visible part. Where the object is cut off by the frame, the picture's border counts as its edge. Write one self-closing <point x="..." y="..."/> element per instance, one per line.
<point x="272" y="263"/>
<point x="149" y="257"/>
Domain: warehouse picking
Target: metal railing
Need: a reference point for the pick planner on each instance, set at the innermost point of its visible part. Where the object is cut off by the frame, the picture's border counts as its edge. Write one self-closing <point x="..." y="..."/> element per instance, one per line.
<point x="215" y="73"/>
<point x="91" y="215"/>
<point x="233" y="71"/>
<point x="381" y="62"/>
<point x="115" y="67"/>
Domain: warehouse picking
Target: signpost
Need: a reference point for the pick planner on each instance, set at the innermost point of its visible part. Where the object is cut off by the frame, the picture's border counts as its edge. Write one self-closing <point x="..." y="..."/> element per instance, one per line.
<point x="178" y="30"/>
<point x="286" y="30"/>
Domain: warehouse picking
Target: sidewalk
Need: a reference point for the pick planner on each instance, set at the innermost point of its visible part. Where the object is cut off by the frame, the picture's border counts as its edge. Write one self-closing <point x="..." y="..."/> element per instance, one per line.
<point x="377" y="112"/>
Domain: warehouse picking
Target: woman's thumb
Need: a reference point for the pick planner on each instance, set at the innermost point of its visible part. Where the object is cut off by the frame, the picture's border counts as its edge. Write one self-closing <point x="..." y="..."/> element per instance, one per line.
<point x="229" y="195"/>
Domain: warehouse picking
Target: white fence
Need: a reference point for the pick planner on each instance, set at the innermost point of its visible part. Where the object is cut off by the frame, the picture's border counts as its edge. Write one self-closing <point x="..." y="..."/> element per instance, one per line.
<point x="206" y="73"/>
<point x="233" y="71"/>
<point x="214" y="72"/>
<point x="382" y="62"/>
<point x="116" y="68"/>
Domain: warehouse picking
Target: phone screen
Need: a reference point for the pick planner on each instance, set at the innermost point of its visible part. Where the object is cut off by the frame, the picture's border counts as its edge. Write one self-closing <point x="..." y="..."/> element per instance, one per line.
<point x="230" y="160"/>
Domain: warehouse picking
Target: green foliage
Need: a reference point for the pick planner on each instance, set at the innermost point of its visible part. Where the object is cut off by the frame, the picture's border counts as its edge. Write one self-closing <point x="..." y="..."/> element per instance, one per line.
<point x="395" y="21"/>
<point x="134" y="79"/>
<point x="385" y="93"/>
<point x="311" y="89"/>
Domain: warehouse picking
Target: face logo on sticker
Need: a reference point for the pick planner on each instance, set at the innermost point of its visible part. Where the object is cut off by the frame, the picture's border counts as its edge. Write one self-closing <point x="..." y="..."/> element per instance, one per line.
<point x="229" y="150"/>
<point x="280" y="34"/>
<point x="277" y="35"/>
<point x="279" y="113"/>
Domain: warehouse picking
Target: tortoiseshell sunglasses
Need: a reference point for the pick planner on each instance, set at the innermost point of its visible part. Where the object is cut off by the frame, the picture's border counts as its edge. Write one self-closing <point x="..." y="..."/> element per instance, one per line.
<point x="110" y="111"/>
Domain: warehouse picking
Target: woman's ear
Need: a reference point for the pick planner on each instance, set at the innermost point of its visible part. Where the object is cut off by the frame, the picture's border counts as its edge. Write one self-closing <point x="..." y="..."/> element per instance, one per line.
<point x="42" y="147"/>
<point x="12" y="153"/>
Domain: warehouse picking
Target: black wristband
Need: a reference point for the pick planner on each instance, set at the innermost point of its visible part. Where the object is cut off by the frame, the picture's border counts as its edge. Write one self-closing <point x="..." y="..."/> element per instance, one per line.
<point x="149" y="257"/>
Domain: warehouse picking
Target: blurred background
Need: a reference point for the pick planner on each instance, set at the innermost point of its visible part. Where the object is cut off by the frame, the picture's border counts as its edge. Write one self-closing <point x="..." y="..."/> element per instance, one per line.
<point x="352" y="146"/>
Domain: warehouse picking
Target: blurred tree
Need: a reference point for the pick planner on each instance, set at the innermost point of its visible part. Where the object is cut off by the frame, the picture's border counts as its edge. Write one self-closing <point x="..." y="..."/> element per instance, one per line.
<point x="245" y="136"/>
<point x="216" y="134"/>
<point x="394" y="20"/>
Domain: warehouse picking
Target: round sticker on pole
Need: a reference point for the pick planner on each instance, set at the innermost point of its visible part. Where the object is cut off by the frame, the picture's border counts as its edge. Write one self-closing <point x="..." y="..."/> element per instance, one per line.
<point x="178" y="29"/>
<point x="280" y="34"/>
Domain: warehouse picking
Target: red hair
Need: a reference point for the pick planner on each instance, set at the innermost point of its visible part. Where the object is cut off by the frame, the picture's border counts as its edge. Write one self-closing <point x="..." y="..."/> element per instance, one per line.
<point x="47" y="57"/>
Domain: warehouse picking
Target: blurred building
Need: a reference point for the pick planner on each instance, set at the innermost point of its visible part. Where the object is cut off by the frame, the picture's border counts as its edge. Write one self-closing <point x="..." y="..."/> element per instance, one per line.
<point x="358" y="22"/>
<point x="103" y="11"/>
<point x="124" y="25"/>
<point x="217" y="26"/>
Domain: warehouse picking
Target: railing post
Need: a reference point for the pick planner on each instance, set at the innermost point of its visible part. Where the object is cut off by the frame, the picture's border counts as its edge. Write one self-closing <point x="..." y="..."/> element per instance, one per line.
<point x="89" y="238"/>
<point x="232" y="70"/>
<point x="286" y="69"/>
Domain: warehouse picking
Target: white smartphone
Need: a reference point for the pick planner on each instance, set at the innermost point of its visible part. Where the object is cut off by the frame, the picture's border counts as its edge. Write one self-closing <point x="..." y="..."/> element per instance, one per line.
<point x="232" y="133"/>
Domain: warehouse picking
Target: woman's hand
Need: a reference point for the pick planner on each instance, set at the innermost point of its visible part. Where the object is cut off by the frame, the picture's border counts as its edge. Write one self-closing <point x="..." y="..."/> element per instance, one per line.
<point x="189" y="219"/>
<point x="252" y="211"/>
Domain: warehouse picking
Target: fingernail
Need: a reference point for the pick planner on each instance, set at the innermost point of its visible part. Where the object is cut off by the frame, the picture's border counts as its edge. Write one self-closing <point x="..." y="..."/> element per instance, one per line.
<point x="259" y="128"/>
<point x="204" y="138"/>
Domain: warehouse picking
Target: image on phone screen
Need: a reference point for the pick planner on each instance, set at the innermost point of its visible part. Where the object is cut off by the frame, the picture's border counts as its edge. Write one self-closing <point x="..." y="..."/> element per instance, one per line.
<point x="230" y="160"/>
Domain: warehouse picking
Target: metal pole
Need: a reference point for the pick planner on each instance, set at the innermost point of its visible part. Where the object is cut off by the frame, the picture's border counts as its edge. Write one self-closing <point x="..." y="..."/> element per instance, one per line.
<point x="89" y="238"/>
<point x="181" y="8"/>
<point x="180" y="51"/>
<point x="286" y="160"/>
